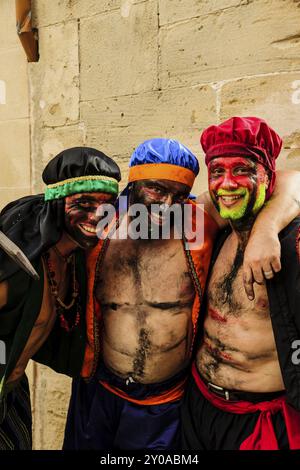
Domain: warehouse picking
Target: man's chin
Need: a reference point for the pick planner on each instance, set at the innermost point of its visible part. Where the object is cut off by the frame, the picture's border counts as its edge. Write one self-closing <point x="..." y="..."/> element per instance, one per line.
<point x="84" y="241"/>
<point x="87" y="244"/>
<point x="231" y="215"/>
<point x="236" y="212"/>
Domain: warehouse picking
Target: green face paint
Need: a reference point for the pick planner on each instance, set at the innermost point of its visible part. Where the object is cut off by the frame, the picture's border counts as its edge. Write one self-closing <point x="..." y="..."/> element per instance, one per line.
<point x="238" y="210"/>
<point x="261" y="197"/>
<point x="237" y="186"/>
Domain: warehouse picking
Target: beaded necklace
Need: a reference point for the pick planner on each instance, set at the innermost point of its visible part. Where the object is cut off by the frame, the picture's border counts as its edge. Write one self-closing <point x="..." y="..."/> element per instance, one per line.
<point x="61" y="307"/>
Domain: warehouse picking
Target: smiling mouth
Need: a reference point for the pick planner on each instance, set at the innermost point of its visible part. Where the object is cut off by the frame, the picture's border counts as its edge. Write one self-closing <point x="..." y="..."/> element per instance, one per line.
<point x="229" y="201"/>
<point x="157" y="219"/>
<point x="88" y="229"/>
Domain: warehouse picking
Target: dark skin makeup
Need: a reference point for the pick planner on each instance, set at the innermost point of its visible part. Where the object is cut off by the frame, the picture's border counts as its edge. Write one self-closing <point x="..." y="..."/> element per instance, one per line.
<point x="81" y="219"/>
<point x="158" y="192"/>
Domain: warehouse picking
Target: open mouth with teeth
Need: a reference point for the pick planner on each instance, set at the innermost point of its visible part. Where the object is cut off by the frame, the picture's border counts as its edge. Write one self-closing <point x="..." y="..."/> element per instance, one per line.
<point x="156" y="218"/>
<point x="88" y="230"/>
<point x="232" y="204"/>
<point x="229" y="201"/>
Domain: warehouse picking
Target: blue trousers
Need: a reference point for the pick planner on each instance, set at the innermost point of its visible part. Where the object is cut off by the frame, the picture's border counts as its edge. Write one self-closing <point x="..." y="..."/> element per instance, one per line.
<point x="100" y="420"/>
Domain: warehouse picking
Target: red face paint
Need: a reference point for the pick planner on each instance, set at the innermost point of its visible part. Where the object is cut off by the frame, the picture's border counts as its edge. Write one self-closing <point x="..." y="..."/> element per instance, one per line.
<point x="235" y="185"/>
<point x="80" y="216"/>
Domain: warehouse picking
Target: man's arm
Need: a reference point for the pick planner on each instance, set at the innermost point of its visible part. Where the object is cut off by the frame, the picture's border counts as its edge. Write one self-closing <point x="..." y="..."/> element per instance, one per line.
<point x="263" y="250"/>
<point x="43" y="324"/>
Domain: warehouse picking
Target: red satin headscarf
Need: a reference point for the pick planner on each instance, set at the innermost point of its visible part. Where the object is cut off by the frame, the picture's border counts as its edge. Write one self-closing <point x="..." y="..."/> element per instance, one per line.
<point x="245" y="136"/>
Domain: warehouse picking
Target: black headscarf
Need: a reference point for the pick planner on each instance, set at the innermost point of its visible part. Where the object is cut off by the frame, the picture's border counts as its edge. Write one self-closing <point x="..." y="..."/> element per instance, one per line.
<point x="35" y="224"/>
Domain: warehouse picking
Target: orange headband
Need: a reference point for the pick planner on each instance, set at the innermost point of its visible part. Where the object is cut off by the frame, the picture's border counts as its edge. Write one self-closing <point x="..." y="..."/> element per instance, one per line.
<point x="161" y="171"/>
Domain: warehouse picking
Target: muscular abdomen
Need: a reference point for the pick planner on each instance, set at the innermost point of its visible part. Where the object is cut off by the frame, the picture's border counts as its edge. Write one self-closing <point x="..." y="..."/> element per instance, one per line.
<point x="148" y="344"/>
<point x="146" y="298"/>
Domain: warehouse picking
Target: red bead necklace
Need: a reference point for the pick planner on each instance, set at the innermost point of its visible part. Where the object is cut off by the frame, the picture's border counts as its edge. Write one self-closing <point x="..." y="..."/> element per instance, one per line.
<point x="61" y="307"/>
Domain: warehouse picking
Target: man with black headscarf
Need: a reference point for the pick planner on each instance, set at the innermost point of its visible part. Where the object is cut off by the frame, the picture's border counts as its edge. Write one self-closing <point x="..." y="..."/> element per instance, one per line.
<point x="45" y="319"/>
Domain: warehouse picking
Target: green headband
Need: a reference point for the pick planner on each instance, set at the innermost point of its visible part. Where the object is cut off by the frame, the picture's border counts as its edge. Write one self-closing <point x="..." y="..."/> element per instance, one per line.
<point x="81" y="184"/>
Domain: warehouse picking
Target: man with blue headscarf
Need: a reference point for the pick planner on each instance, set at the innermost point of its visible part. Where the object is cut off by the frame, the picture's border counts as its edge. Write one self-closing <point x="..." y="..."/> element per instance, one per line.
<point x="145" y="295"/>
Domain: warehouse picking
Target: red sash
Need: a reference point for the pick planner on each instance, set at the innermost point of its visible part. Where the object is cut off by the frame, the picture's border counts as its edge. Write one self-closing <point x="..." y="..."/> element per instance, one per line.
<point x="263" y="436"/>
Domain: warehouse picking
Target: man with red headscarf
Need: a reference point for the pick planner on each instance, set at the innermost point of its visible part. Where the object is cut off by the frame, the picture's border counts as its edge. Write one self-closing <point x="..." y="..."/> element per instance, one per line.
<point x="244" y="389"/>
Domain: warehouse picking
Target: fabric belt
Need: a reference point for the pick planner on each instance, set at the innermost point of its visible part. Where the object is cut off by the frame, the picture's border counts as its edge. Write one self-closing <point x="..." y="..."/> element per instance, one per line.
<point x="240" y="395"/>
<point x="263" y="436"/>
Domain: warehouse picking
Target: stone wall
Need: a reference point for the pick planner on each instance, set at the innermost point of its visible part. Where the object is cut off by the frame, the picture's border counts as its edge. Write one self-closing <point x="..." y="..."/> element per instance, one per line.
<point x="113" y="73"/>
<point x="14" y="111"/>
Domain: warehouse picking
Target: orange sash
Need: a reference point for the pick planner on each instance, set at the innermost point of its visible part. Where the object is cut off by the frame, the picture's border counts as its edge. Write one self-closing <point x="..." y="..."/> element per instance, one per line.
<point x="169" y="396"/>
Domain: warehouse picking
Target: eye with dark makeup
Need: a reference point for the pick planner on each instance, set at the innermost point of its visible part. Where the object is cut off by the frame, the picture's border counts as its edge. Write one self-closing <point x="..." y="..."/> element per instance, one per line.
<point x="156" y="189"/>
<point x="87" y="203"/>
<point x="81" y="205"/>
<point x="216" y="171"/>
<point x="244" y="171"/>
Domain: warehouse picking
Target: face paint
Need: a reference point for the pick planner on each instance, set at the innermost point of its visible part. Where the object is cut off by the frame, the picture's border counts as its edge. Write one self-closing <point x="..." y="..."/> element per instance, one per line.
<point x="237" y="186"/>
<point x="80" y="216"/>
<point x="161" y="192"/>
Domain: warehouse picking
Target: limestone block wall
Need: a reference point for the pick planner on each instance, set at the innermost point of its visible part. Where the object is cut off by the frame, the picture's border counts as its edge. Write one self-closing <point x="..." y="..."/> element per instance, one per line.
<point x="14" y="111"/>
<point x="113" y="73"/>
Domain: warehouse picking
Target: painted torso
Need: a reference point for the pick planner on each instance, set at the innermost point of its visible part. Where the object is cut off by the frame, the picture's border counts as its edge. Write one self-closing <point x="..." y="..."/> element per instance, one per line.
<point x="146" y="297"/>
<point x="238" y="349"/>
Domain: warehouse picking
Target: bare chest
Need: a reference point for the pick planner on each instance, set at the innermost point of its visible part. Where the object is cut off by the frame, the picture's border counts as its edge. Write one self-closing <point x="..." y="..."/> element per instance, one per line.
<point x="142" y="272"/>
<point x="226" y="294"/>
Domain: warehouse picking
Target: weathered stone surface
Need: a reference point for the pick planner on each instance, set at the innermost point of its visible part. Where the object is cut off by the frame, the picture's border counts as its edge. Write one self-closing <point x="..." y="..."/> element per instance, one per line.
<point x="290" y="154"/>
<point x="123" y="57"/>
<point x="51" y="400"/>
<point x="54" y="140"/>
<point x="8" y="32"/>
<point x="15" y="164"/>
<point x="13" y="70"/>
<point x="236" y="42"/>
<point x="180" y="10"/>
<point x="46" y="13"/>
<point x="54" y="80"/>
<point x="118" y="125"/>
<point x="274" y="98"/>
<point x="57" y="11"/>
<point x="11" y="194"/>
<point x="289" y="159"/>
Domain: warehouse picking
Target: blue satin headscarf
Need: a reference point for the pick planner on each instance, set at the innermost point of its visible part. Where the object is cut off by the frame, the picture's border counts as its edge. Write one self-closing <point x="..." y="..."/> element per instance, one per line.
<point x="164" y="151"/>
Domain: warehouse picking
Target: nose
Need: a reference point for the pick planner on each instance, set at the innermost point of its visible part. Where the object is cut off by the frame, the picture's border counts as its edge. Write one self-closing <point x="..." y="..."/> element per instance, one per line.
<point x="93" y="218"/>
<point x="228" y="182"/>
<point x="168" y="199"/>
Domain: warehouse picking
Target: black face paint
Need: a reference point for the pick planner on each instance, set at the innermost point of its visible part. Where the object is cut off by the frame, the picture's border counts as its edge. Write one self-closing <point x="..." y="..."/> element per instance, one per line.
<point x="163" y="194"/>
<point x="81" y="219"/>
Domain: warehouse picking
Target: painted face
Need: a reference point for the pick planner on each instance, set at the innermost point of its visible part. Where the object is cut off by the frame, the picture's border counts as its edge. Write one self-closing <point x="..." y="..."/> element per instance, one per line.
<point x="160" y="192"/>
<point x="80" y="216"/>
<point x="237" y="186"/>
